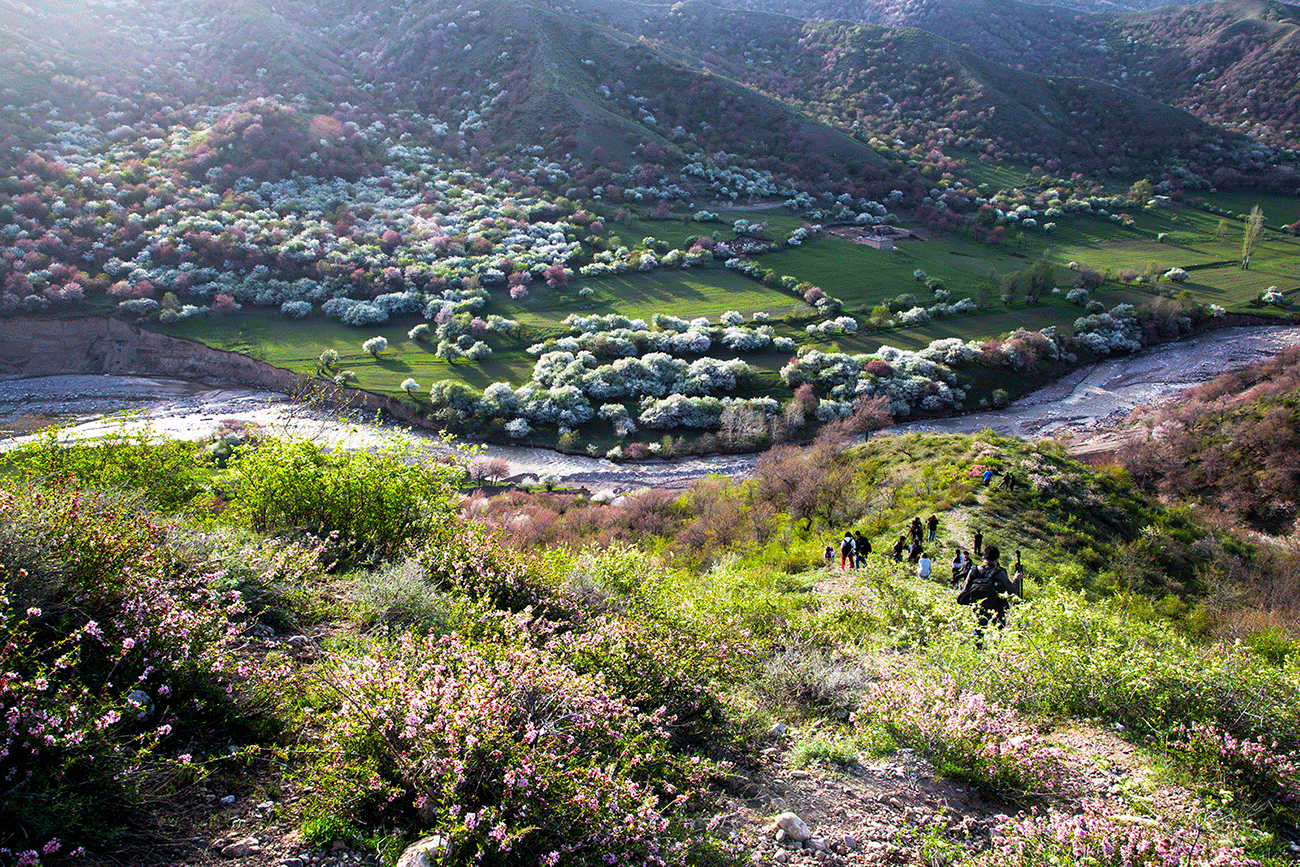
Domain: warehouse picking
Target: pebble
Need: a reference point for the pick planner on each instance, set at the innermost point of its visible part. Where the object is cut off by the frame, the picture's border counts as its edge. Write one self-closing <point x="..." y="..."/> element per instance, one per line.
<point x="228" y="799"/>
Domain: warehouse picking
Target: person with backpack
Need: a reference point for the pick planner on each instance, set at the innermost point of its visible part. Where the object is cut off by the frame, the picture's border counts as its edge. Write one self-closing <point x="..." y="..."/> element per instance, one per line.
<point x="989" y="589"/>
<point x="829" y="556"/>
<point x="847" y="554"/>
<point x="898" y="549"/>
<point x="933" y="526"/>
<point x="862" y="547"/>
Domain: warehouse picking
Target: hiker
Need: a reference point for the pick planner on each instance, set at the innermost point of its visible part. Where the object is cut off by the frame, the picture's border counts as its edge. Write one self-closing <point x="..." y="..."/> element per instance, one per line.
<point x="988" y="477"/>
<point x="829" y="556"/>
<point x="989" y="589"/>
<point x="978" y="548"/>
<point x="846" y="551"/>
<point x="961" y="564"/>
<point x="914" y="552"/>
<point x="933" y="525"/>
<point x="924" y="567"/>
<point x="917" y="530"/>
<point x="1008" y="482"/>
<point x="898" y="549"/>
<point x="862" y="547"/>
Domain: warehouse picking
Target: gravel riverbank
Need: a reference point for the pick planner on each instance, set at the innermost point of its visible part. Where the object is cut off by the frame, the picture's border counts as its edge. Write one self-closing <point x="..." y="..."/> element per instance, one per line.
<point x="1087" y="405"/>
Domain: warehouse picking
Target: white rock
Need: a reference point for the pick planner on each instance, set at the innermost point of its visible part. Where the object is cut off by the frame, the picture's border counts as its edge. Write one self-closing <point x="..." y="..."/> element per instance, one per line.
<point x="424" y="853"/>
<point x="795" y="828"/>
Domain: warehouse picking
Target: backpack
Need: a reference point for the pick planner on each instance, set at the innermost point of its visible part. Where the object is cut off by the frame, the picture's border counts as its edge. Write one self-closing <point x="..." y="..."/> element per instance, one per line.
<point x="982" y="587"/>
<point x="846" y="545"/>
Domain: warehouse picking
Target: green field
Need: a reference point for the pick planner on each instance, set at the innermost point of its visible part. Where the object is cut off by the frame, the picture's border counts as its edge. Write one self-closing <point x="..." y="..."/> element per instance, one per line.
<point x="860" y="276"/>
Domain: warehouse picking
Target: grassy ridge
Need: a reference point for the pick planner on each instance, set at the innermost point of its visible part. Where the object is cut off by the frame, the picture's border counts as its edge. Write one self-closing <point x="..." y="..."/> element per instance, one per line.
<point x="455" y="665"/>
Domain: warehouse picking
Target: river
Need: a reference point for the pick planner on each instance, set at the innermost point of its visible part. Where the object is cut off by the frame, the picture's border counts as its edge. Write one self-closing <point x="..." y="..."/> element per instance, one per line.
<point x="1084" y="407"/>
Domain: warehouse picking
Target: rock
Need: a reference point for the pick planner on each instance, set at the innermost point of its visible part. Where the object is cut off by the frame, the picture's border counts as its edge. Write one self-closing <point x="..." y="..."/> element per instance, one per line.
<point x="777" y="730"/>
<point x="849" y="843"/>
<point x="424" y="853"/>
<point x="142" y="702"/>
<point x="241" y="848"/>
<point x="338" y="846"/>
<point x="800" y="775"/>
<point x="795" y="828"/>
<point x="781" y="857"/>
<point x="228" y="799"/>
<point x="298" y="642"/>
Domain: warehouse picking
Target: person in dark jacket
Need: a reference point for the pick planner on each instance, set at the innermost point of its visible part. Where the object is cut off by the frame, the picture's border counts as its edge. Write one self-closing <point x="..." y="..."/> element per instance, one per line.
<point x="898" y="549"/>
<point x="989" y="589"/>
<point x="861" y="548"/>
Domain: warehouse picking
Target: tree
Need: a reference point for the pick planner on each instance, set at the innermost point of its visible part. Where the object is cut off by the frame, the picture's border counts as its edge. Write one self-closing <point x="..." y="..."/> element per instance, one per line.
<point x="375" y="345"/>
<point x="1253" y="233"/>
<point x="410" y="386"/>
<point x="329" y="358"/>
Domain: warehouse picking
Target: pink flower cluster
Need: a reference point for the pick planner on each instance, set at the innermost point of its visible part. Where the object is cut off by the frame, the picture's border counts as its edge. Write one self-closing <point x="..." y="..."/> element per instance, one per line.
<point x="511" y="753"/>
<point x="95" y="676"/>
<point x="1105" y="839"/>
<point x="1256" y="770"/>
<point x="961" y="730"/>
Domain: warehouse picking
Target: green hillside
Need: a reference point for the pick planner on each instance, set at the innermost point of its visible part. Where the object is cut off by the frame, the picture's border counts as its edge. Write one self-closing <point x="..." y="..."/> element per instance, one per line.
<point x="327" y="637"/>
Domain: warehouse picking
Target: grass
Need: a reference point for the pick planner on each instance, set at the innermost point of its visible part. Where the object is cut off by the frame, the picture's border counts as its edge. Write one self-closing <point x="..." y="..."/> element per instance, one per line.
<point x="860" y="276"/>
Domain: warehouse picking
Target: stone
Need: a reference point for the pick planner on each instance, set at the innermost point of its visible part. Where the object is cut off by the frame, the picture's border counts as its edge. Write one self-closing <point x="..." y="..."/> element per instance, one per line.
<point x="776" y="730"/>
<point x="241" y="848"/>
<point x="800" y="775"/>
<point x="850" y="843"/>
<point x="424" y="853"/>
<point x="795" y="828"/>
<point x="228" y="799"/>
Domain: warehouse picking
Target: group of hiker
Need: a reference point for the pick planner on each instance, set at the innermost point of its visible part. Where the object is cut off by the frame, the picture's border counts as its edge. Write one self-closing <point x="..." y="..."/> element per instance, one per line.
<point x="984" y="585"/>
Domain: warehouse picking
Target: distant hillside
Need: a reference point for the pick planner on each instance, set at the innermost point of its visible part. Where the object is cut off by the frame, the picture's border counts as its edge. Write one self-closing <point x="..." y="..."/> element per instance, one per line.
<point x="620" y="82"/>
<point x="1230" y="446"/>
<point x="1231" y="63"/>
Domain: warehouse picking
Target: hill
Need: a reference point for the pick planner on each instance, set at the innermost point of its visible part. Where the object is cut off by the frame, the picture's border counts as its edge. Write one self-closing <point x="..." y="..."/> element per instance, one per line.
<point x="258" y="636"/>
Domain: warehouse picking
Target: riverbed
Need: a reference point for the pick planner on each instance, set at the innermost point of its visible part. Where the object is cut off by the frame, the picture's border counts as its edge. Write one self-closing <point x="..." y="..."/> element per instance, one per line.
<point x="1084" y="408"/>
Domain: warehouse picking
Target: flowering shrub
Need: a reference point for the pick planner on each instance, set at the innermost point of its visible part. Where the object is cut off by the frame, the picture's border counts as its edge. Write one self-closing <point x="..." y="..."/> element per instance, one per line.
<point x="375" y="345"/>
<point x="965" y="735"/>
<point x="1259" y="773"/>
<point x="512" y="755"/>
<point x="111" y="647"/>
<point x="1273" y="296"/>
<point x="1098" y="837"/>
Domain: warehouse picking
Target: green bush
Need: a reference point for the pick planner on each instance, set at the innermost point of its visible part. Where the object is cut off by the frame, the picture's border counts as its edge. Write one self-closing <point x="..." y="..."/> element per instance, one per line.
<point x="372" y="504"/>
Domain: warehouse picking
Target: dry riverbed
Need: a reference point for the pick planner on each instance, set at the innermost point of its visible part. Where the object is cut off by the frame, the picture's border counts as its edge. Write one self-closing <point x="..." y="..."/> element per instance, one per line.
<point x="1086" y="407"/>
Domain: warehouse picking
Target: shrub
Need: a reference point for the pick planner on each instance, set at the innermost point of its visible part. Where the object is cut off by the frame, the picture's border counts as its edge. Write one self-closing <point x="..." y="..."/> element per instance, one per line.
<point x="371" y="503"/>
<point x="375" y="345"/>
<point x="1097" y="836"/>
<point x="965" y="736"/>
<point x="329" y="358"/>
<point x="511" y="755"/>
<point x="112" y="648"/>
<point x="296" y="309"/>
